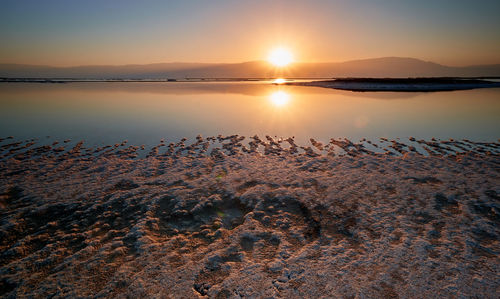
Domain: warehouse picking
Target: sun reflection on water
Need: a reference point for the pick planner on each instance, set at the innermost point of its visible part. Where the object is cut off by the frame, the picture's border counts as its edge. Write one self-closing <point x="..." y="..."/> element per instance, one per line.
<point x="279" y="98"/>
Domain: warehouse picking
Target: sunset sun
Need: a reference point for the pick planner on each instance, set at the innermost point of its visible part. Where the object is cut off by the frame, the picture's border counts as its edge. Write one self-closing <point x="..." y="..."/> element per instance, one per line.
<point x="280" y="57"/>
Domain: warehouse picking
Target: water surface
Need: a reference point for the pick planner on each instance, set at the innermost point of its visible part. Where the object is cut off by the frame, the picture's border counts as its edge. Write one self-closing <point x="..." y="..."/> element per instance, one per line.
<point x="143" y="113"/>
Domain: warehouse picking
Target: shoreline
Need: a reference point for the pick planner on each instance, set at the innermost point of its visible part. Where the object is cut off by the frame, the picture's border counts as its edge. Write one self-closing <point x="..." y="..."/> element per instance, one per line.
<point x="225" y="222"/>
<point x="401" y="84"/>
<point x="11" y="148"/>
<point x="355" y="83"/>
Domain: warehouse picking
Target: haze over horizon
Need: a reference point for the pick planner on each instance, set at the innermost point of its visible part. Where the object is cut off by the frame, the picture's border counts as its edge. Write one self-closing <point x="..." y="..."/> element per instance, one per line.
<point x="377" y="67"/>
<point x="262" y="60"/>
<point x="58" y="33"/>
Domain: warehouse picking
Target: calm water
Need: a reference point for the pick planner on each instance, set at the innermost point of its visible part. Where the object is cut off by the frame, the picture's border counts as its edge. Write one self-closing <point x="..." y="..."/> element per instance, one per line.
<point x="144" y="113"/>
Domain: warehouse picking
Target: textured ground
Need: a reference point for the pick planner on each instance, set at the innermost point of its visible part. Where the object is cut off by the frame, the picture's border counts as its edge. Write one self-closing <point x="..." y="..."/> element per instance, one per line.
<point x="259" y="222"/>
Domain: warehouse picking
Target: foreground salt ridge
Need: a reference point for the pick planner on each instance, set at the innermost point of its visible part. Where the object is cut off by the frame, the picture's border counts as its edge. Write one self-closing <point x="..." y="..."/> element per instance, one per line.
<point x="235" y="145"/>
<point x="183" y="224"/>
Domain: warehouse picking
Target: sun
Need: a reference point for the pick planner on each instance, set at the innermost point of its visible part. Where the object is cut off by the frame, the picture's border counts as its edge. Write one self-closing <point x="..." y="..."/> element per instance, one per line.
<point x="280" y="57"/>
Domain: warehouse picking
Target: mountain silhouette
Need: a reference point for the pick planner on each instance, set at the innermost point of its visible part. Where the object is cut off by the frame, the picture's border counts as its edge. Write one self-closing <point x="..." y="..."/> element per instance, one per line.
<point x="377" y="67"/>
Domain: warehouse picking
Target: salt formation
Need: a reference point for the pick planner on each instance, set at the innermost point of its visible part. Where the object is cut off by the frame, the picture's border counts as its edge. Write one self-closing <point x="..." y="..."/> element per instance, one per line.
<point x="223" y="218"/>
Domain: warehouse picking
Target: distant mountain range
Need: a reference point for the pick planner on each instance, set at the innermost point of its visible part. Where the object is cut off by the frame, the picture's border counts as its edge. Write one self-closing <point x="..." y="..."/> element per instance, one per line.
<point x="395" y="67"/>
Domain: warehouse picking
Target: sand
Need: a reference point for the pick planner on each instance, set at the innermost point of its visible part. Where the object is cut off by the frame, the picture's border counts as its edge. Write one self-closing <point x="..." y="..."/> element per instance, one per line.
<point x="221" y="218"/>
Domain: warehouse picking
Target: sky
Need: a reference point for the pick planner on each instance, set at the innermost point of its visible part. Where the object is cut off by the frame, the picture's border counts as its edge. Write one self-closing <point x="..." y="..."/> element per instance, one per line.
<point x="106" y="32"/>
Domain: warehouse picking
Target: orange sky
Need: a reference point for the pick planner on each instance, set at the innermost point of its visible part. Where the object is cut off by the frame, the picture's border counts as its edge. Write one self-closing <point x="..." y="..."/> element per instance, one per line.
<point x="57" y="32"/>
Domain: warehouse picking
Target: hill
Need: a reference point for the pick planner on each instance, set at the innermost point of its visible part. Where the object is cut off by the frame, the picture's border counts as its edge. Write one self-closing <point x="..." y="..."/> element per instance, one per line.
<point x="377" y="68"/>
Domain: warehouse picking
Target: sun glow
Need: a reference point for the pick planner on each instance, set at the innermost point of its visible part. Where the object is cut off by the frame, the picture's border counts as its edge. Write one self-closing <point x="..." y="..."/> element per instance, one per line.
<point x="280" y="57"/>
<point x="279" y="81"/>
<point x="280" y="98"/>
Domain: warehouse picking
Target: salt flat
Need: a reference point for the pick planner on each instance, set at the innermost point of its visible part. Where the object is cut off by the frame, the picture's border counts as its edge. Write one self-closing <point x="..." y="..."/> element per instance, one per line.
<point x="402" y="84"/>
<point x="254" y="220"/>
